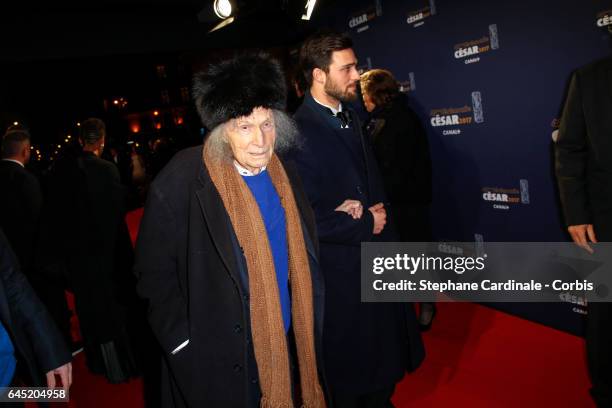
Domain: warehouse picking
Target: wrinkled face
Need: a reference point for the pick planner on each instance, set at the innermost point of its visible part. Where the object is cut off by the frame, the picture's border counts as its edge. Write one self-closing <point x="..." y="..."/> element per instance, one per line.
<point x="341" y="80"/>
<point x="251" y="139"/>
<point x="367" y="101"/>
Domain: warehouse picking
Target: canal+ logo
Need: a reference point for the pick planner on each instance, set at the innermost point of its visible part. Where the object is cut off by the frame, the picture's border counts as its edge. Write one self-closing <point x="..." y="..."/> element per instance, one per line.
<point x="469" y="50"/>
<point x="464" y="115"/>
<point x="360" y="21"/>
<point x="502" y="198"/>
<point x="416" y="17"/>
<point x="604" y="19"/>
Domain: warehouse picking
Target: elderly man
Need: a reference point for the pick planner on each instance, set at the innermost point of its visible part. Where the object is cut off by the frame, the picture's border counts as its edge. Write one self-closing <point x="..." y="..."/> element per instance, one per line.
<point x="226" y="253"/>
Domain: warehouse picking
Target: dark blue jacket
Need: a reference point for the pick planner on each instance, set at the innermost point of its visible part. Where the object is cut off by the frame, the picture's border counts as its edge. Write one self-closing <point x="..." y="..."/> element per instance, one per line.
<point x="367" y="346"/>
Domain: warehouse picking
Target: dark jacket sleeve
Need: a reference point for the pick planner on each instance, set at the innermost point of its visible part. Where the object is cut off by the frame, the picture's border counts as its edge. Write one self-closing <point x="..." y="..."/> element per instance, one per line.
<point x="571" y="153"/>
<point x="28" y="312"/>
<point x="156" y="268"/>
<point x="33" y="193"/>
<point x="335" y="227"/>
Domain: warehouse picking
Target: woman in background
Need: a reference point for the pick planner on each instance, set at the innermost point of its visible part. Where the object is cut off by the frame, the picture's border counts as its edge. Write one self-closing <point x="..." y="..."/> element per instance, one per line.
<point x="400" y="145"/>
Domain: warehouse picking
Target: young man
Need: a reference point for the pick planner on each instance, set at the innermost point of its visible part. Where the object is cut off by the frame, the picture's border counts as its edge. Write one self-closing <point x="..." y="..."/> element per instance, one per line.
<point x="368" y="346"/>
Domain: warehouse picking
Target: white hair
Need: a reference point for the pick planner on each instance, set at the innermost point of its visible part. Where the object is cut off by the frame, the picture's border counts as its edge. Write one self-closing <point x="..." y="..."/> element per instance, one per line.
<point x="284" y="128"/>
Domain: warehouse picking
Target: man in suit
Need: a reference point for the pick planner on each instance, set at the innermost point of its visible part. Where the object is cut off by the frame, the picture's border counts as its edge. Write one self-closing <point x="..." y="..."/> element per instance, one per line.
<point x="584" y="173"/>
<point x="30" y="331"/>
<point x="20" y="215"/>
<point x="368" y="346"/>
<point x="86" y="238"/>
<point x="21" y="197"/>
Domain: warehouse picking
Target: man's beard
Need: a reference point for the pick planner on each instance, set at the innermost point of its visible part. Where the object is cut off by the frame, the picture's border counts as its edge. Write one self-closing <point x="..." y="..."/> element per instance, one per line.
<point x="343" y="95"/>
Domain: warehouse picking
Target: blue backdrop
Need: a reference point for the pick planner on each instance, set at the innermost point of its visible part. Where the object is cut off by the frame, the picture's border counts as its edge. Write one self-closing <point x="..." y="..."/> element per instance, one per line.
<point x="489" y="81"/>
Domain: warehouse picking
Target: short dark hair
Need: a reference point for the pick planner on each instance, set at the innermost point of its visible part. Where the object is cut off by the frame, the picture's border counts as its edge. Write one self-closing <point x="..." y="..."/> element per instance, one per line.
<point x="13" y="141"/>
<point x="380" y="85"/>
<point x="92" y="130"/>
<point x="317" y="50"/>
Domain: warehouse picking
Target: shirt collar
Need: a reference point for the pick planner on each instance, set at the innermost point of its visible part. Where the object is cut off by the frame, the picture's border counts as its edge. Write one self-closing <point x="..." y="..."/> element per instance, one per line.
<point x="14" y="161"/>
<point x="334" y="110"/>
<point x="246" y="172"/>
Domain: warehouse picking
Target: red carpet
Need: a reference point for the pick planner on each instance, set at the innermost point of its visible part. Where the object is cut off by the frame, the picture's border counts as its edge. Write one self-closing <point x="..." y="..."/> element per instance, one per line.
<point x="479" y="357"/>
<point x="476" y="357"/>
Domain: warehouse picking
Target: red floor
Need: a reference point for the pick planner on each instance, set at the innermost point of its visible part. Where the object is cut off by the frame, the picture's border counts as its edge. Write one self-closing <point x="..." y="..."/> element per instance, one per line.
<point x="476" y="357"/>
<point x="479" y="357"/>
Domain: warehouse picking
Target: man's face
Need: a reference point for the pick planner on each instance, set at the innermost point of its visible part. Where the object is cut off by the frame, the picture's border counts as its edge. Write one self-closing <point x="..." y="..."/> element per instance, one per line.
<point x="341" y="80"/>
<point x="251" y="139"/>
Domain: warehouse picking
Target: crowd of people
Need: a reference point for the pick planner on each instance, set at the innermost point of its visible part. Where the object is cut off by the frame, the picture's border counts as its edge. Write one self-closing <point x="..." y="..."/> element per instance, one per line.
<point x="247" y="263"/>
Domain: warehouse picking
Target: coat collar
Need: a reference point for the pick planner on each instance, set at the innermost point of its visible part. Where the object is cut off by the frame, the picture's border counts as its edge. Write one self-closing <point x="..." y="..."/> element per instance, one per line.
<point x="217" y="221"/>
<point x="325" y="119"/>
<point x="17" y="162"/>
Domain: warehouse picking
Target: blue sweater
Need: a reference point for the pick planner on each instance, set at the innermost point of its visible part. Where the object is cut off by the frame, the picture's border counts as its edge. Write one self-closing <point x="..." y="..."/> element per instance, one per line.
<point x="7" y="358"/>
<point x="273" y="216"/>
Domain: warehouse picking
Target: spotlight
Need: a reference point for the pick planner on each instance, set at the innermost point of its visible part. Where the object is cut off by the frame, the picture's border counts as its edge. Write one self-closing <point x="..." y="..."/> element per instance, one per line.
<point x="223" y="8"/>
<point x="308" y="8"/>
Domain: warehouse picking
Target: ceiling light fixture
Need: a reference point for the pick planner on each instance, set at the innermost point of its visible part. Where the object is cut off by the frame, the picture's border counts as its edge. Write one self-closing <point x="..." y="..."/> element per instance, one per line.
<point x="223" y="8"/>
<point x="309" y="7"/>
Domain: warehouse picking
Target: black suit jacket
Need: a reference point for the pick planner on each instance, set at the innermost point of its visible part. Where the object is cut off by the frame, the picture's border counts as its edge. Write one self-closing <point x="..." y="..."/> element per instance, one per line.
<point x="193" y="274"/>
<point x="84" y="237"/>
<point x="368" y="346"/>
<point x="20" y="208"/>
<point x="35" y="337"/>
<point x="584" y="149"/>
<point x="400" y="145"/>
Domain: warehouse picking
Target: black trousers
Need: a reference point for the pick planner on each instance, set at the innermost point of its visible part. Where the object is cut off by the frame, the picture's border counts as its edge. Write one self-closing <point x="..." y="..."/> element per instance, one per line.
<point x="599" y="352"/>
<point x="377" y="399"/>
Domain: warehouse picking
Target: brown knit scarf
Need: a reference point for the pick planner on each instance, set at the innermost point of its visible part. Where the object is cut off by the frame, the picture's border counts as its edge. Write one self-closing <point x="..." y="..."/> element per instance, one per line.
<point x="269" y="339"/>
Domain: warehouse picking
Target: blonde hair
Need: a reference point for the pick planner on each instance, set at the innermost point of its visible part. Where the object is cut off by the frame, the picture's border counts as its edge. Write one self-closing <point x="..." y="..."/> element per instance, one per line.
<point x="379" y="85"/>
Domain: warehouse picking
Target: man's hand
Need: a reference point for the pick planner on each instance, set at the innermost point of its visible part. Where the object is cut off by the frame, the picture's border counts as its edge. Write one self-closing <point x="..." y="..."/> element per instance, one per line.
<point x="65" y="374"/>
<point x="580" y="233"/>
<point x="380" y="217"/>
<point x="354" y="208"/>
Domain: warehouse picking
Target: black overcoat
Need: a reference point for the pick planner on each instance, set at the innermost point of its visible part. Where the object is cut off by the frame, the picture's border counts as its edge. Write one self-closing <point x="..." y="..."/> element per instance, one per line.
<point x="20" y="208"/>
<point x="400" y="146"/>
<point x="584" y="149"/>
<point x="584" y="173"/>
<point x="84" y="240"/>
<point x="368" y="346"/>
<point x="193" y="274"/>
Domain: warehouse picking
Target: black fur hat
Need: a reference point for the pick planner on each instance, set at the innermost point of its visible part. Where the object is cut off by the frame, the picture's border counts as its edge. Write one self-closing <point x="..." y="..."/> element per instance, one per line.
<point x="234" y="87"/>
